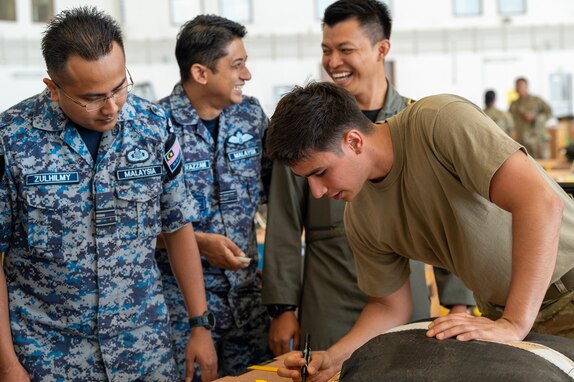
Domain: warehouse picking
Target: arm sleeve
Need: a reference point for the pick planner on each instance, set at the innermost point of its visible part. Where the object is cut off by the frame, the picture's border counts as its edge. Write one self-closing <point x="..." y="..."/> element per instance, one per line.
<point x="6" y="204"/>
<point x="470" y="145"/>
<point x="282" y="256"/>
<point x="178" y="207"/>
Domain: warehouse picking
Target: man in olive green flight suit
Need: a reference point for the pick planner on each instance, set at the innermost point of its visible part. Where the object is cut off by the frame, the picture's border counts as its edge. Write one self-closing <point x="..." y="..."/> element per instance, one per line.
<point x="326" y="293"/>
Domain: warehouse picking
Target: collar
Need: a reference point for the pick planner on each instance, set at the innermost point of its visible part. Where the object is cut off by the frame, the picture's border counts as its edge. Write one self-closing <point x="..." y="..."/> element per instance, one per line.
<point x="182" y="110"/>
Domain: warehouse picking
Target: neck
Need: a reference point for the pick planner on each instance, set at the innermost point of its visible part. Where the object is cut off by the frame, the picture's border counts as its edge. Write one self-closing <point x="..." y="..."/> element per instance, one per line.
<point x="375" y="95"/>
<point x="203" y="103"/>
<point x="380" y="151"/>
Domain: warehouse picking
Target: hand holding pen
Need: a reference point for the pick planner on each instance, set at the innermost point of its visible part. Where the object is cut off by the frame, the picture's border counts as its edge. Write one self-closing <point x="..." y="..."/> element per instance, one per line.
<point x="307" y="356"/>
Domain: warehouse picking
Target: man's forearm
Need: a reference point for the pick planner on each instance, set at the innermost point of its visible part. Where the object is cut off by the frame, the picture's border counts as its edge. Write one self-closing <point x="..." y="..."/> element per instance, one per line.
<point x="186" y="265"/>
<point x="378" y="316"/>
<point x="534" y="250"/>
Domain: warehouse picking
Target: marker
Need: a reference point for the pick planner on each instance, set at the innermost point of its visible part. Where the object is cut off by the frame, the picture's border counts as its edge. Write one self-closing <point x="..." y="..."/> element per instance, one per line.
<point x="307" y="356"/>
<point x="262" y="368"/>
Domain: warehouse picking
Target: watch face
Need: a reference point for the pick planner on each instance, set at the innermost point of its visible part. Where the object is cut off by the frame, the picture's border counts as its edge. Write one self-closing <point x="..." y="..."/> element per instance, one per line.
<point x="210" y="319"/>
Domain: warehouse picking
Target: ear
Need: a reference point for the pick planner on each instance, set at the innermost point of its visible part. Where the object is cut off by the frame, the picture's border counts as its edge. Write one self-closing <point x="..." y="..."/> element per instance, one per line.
<point x="384" y="48"/>
<point x="354" y="139"/>
<point x="199" y="73"/>
<point x="54" y="96"/>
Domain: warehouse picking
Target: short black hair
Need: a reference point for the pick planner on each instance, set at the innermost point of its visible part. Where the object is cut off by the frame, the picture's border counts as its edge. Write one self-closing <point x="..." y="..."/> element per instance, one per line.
<point x="489" y="97"/>
<point x="521" y="79"/>
<point x="373" y="16"/>
<point x="204" y="40"/>
<point x="313" y="118"/>
<point x="82" y="31"/>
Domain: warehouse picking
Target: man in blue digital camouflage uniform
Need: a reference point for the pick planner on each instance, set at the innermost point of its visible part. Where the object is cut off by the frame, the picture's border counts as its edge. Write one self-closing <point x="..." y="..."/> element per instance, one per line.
<point x="221" y="134"/>
<point x="89" y="177"/>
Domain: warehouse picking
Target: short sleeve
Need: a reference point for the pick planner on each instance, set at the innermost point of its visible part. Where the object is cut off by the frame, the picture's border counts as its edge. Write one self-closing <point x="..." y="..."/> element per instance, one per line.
<point x="379" y="272"/>
<point x="470" y="145"/>
<point x="178" y="207"/>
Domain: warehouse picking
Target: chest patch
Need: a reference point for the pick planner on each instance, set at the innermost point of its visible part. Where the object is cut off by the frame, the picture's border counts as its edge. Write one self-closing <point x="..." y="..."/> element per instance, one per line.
<point x="240" y="138"/>
<point x="138" y="155"/>
<point x="138" y="172"/>
<point x="52" y="178"/>
<point x="245" y="153"/>
<point x="197" y="166"/>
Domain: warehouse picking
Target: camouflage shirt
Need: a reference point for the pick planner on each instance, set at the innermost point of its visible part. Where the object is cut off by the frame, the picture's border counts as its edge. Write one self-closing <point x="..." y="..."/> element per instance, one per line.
<point x="225" y="179"/>
<point x="79" y="239"/>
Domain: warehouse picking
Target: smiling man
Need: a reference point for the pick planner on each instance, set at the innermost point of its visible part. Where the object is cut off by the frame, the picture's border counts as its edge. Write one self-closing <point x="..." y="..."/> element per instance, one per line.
<point x="325" y="299"/>
<point x="439" y="182"/>
<point x="89" y="177"/>
<point x="221" y="131"/>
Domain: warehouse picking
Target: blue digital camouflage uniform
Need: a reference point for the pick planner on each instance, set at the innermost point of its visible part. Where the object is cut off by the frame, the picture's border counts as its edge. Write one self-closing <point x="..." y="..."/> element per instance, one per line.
<point x="84" y="289"/>
<point x="225" y="179"/>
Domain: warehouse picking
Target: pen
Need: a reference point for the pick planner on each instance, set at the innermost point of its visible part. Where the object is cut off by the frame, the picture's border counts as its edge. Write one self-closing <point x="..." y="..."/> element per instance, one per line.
<point x="307" y="356"/>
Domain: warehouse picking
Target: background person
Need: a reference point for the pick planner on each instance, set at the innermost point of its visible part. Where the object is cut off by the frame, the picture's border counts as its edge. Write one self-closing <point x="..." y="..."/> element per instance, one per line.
<point x="530" y="114"/>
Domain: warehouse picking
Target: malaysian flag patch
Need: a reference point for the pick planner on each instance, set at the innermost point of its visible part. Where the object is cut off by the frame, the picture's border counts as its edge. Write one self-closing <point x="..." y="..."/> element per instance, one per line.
<point x="173" y="156"/>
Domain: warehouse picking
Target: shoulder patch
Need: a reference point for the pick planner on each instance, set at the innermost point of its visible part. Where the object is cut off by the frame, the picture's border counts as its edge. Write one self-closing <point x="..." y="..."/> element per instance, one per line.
<point x="173" y="157"/>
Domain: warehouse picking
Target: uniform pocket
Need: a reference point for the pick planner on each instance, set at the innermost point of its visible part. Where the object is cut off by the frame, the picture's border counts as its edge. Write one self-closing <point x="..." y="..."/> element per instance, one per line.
<point x="46" y="219"/>
<point x="138" y="208"/>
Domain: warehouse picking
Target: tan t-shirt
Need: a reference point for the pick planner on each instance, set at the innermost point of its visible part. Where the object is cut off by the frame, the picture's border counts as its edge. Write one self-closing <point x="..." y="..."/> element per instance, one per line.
<point x="433" y="206"/>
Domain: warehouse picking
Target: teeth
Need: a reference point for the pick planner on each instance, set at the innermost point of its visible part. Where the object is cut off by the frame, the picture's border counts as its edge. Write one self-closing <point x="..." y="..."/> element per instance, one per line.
<point x="338" y="76"/>
<point x="238" y="87"/>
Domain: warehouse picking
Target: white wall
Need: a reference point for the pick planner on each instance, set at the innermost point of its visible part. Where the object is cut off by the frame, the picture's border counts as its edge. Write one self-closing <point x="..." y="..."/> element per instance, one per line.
<point x="433" y="51"/>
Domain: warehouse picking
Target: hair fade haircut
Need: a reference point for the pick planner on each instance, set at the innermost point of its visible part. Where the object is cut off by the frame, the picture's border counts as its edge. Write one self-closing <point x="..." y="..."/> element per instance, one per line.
<point x="313" y="118"/>
<point x="204" y="40"/>
<point x="373" y="16"/>
<point x="489" y="97"/>
<point x="84" y="31"/>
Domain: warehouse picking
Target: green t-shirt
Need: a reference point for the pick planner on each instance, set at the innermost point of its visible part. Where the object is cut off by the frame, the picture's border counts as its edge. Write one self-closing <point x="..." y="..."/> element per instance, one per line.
<point x="434" y="204"/>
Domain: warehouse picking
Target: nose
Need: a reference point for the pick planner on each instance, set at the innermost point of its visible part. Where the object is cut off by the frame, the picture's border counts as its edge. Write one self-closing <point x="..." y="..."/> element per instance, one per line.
<point x="334" y="60"/>
<point x="110" y="106"/>
<point x="318" y="190"/>
<point x="246" y="74"/>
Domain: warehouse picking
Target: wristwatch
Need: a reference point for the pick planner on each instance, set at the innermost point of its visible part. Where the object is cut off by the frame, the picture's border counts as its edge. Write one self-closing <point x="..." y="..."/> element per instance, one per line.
<point x="275" y="310"/>
<point x="207" y="320"/>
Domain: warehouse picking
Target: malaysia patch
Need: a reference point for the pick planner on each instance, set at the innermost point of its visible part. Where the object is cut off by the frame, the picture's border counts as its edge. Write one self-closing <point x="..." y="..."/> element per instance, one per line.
<point x="138" y="155"/>
<point x="197" y="166"/>
<point x="138" y="172"/>
<point x="245" y="153"/>
<point x="52" y="178"/>
<point x="240" y="138"/>
<point x="173" y="156"/>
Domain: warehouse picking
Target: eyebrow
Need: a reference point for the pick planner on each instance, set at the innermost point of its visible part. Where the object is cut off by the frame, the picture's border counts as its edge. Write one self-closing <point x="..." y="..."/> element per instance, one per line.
<point x="313" y="172"/>
<point x="339" y="45"/>
<point x="239" y="60"/>
<point x="89" y="95"/>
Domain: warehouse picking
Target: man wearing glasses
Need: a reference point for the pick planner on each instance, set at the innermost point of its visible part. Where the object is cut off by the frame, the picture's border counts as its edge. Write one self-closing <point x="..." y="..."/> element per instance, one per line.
<point x="89" y="176"/>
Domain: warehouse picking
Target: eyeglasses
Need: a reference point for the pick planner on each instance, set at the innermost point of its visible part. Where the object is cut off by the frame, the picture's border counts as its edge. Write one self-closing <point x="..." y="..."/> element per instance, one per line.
<point x="100" y="102"/>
